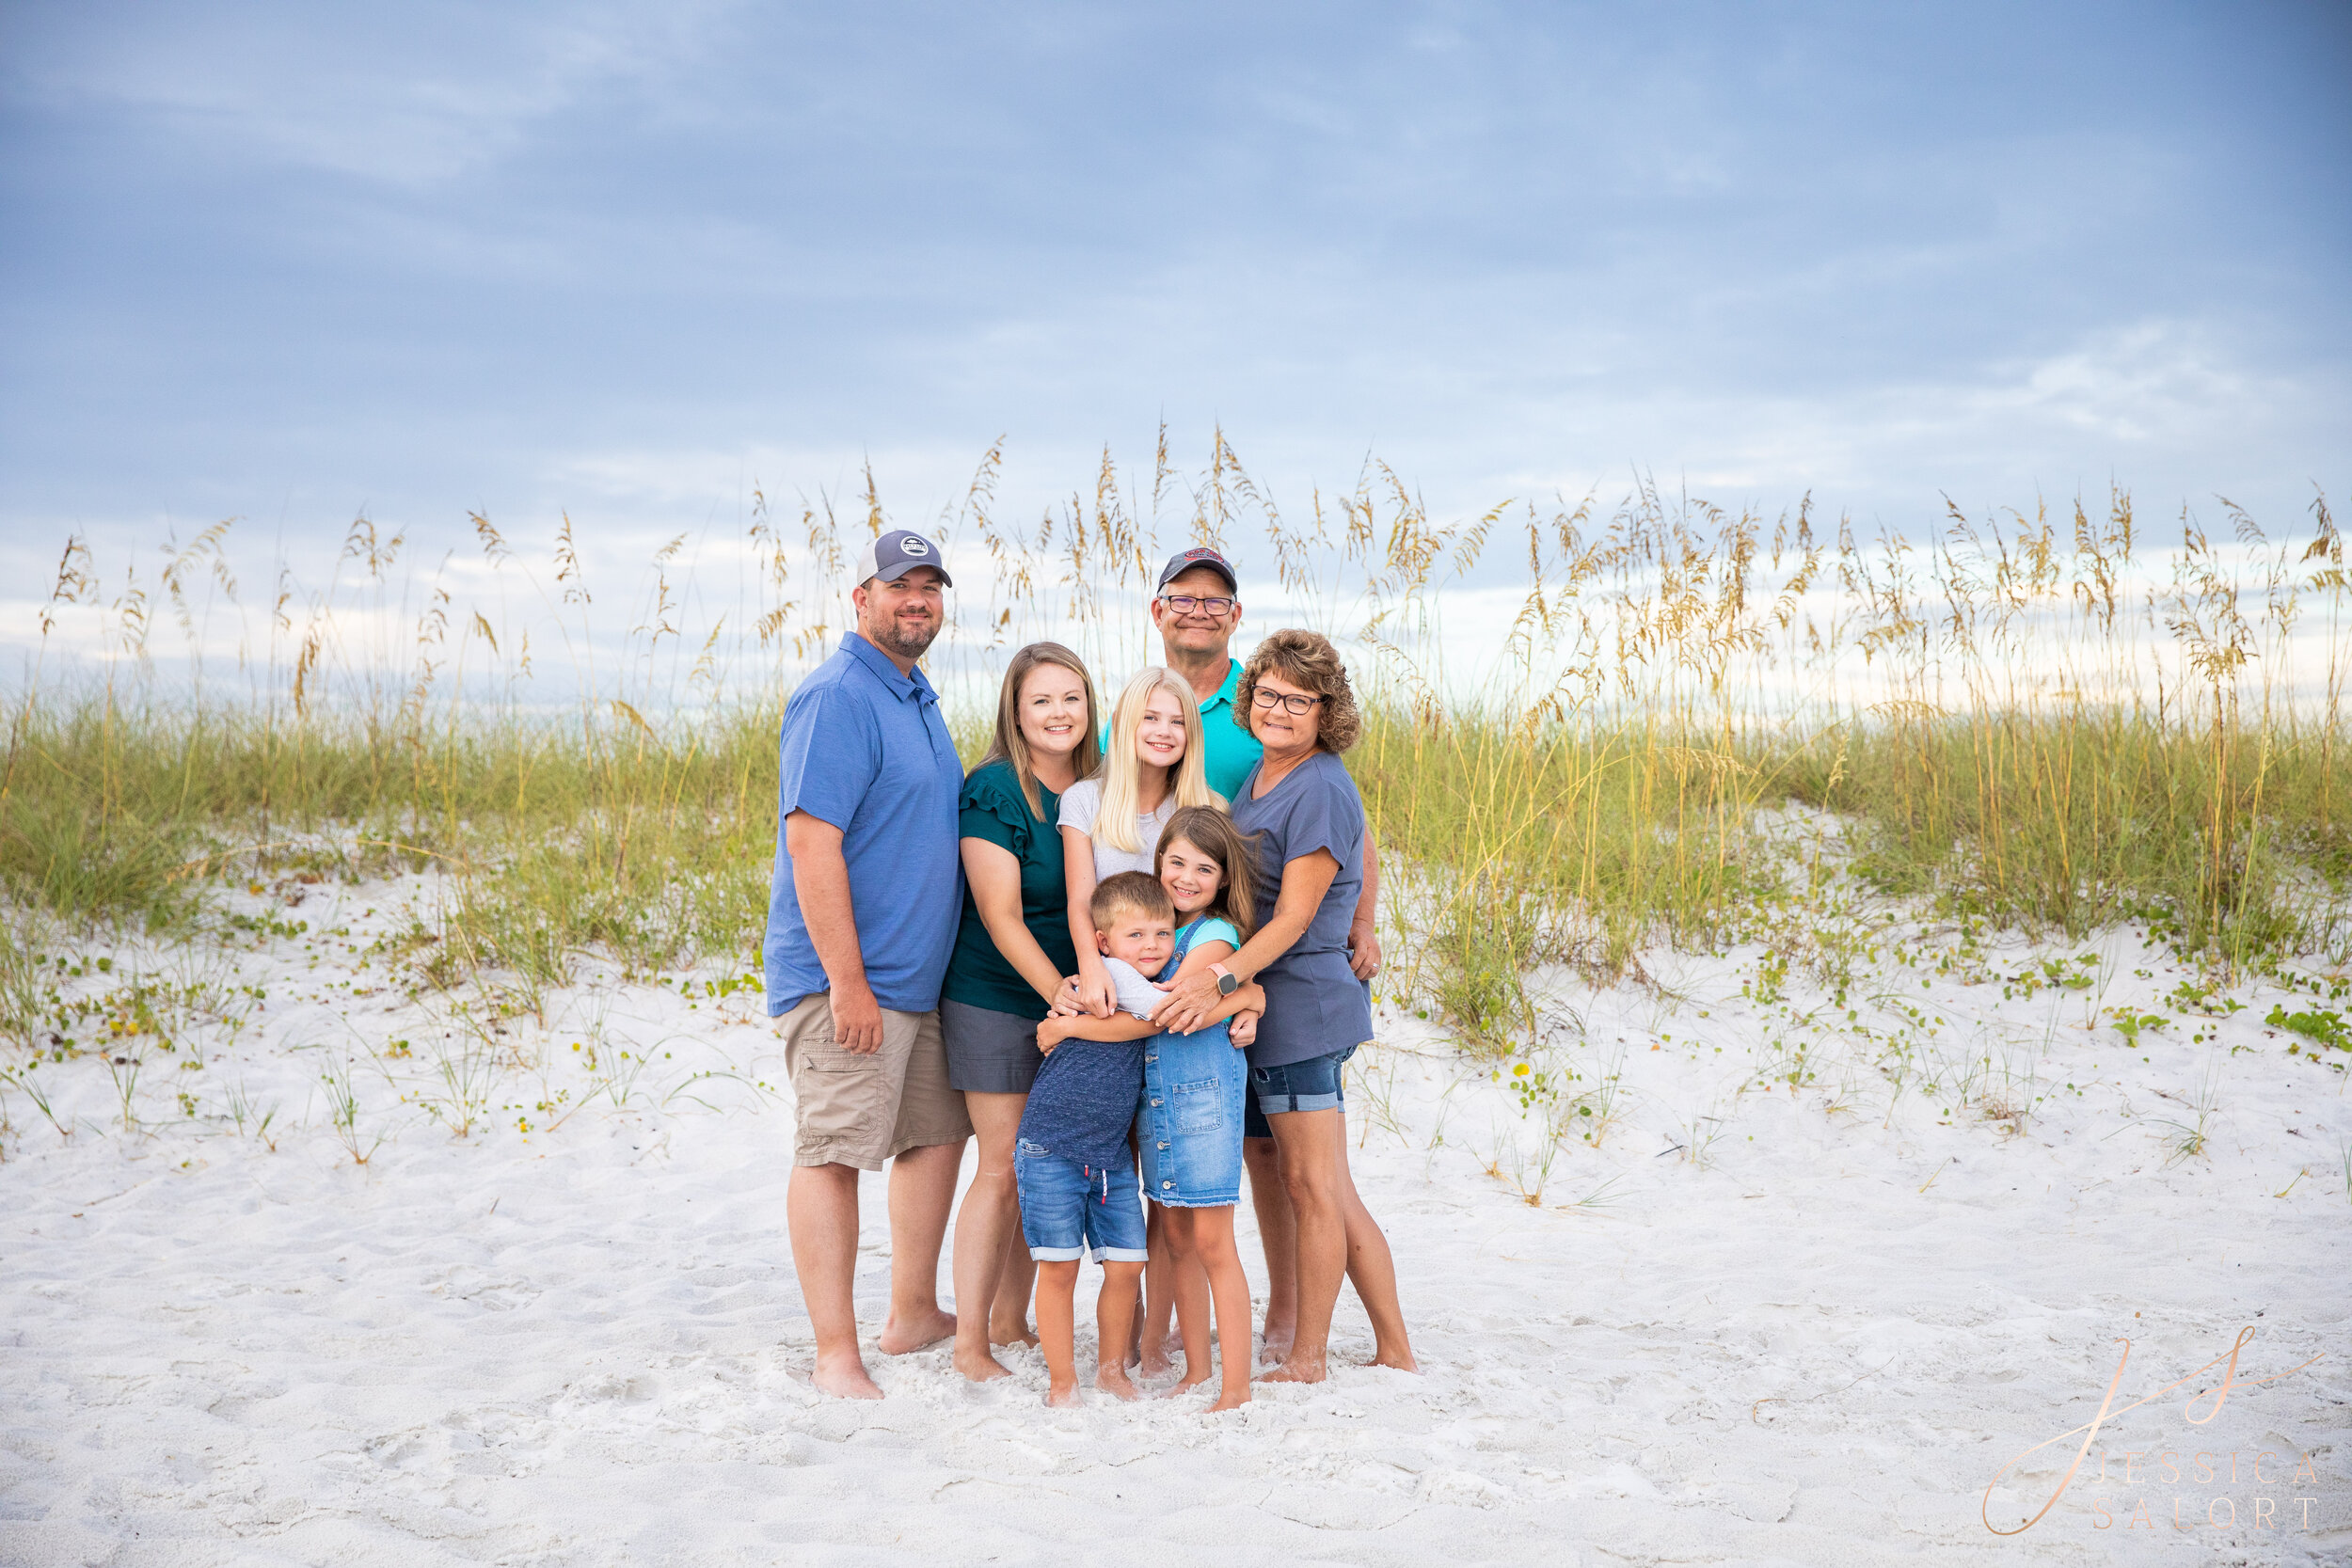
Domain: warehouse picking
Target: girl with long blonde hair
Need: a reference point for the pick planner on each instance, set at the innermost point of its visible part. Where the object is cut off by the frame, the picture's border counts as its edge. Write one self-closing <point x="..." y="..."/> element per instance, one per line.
<point x="1112" y="822"/>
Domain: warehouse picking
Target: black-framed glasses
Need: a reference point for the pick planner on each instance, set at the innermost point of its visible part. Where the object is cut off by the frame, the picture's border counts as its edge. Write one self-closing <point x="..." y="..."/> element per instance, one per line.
<point x="1187" y="604"/>
<point x="1298" y="708"/>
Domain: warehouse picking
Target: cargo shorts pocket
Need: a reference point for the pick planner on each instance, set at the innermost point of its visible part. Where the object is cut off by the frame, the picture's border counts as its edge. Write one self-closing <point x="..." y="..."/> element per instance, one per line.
<point x="844" y="1098"/>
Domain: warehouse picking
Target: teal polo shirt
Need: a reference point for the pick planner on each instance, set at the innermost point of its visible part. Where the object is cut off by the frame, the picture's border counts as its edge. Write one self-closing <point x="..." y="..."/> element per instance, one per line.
<point x="1230" y="750"/>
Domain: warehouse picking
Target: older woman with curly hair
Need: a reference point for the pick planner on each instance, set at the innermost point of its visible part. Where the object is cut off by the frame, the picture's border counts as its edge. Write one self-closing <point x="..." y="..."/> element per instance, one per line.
<point x="1315" y="909"/>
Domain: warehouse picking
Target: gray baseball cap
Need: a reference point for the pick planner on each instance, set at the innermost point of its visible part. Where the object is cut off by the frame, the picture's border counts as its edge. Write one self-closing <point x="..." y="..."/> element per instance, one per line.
<point x="1200" y="555"/>
<point x="898" y="551"/>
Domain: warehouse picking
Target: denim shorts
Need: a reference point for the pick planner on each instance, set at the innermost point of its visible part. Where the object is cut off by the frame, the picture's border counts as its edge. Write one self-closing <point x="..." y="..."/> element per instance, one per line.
<point x="1188" y="1127"/>
<point x="1069" y="1209"/>
<point x="1317" y="1083"/>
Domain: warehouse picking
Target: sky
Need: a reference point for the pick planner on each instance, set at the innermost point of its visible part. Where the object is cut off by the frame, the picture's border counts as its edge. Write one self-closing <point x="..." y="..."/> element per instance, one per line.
<point x="290" y="263"/>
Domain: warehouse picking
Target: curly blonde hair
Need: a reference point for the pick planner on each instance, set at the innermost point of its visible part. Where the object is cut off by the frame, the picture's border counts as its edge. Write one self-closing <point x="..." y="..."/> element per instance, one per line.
<point x="1308" y="661"/>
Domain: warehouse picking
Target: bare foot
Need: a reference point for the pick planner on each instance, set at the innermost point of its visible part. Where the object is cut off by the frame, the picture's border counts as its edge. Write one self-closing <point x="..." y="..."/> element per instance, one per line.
<point x="1401" y="1358"/>
<point x="978" y="1365"/>
<point x="1230" y="1402"/>
<point x="1297" y="1368"/>
<point x="1020" y="1333"/>
<point x="1063" y="1397"/>
<point x="1113" y="1381"/>
<point x="844" y="1377"/>
<point x="1275" y="1348"/>
<point x="904" y="1339"/>
<point x="1155" y="1364"/>
<point x="1185" y="1385"/>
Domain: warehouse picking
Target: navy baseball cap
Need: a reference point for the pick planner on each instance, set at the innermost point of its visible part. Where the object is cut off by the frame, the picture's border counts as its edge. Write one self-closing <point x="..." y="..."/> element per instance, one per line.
<point x="898" y="551"/>
<point x="1200" y="555"/>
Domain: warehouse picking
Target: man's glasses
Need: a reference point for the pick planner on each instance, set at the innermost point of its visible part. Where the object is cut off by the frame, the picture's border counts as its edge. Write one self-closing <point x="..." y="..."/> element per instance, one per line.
<point x="1187" y="604"/>
<point x="1298" y="708"/>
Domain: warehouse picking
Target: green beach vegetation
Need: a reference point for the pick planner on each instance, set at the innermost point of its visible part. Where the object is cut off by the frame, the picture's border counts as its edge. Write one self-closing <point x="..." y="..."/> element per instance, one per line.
<point x="1592" y="732"/>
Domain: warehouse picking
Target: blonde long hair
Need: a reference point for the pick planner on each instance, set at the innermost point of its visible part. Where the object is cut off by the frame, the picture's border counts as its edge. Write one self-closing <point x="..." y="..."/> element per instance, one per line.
<point x="1012" y="746"/>
<point x="1122" y="775"/>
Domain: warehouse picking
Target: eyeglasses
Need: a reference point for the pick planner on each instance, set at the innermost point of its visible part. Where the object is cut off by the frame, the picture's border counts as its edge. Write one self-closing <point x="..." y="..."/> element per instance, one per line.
<point x="1267" y="697"/>
<point x="1186" y="604"/>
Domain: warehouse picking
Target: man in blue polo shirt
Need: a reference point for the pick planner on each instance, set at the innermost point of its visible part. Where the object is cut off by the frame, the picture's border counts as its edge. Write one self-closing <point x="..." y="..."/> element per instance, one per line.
<point x="860" y="919"/>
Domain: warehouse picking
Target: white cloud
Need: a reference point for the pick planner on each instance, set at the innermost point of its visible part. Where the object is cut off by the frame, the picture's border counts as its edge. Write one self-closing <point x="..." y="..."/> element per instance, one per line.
<point x="411" y="104"/>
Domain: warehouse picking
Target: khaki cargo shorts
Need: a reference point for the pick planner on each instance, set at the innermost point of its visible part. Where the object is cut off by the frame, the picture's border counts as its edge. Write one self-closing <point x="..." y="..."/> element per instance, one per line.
<point x="861" y="1110"/>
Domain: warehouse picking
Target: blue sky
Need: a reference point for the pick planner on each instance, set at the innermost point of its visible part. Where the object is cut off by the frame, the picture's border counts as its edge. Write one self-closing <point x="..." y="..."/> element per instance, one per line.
<point x="285" y="261"/>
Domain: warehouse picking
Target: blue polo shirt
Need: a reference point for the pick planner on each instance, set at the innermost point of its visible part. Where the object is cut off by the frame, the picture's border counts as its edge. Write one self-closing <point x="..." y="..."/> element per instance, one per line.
<point x="865" y="749"/>
<point x="1228" y="750"/>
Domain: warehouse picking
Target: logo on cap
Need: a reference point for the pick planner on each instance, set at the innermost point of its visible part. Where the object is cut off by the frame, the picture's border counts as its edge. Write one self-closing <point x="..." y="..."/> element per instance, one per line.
<point x="1200" y="555"/>
<point x="892" y="555"/>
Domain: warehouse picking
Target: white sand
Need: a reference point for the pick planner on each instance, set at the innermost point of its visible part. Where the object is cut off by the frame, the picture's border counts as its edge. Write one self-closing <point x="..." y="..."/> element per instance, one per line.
<point x="585" y="1345"/>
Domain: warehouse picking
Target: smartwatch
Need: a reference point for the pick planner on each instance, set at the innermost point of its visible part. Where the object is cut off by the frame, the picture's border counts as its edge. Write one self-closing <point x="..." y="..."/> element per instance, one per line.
<point x="1226" y="981"/>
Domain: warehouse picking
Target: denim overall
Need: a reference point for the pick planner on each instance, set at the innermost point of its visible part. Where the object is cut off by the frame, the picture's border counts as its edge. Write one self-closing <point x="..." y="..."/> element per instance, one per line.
<point x="1188" y="1124"/>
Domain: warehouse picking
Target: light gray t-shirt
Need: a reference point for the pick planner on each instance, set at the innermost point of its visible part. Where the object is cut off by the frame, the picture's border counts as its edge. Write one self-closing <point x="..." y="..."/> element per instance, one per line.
<point x="1136" y="994"/>
<point x="1083" y="801"/>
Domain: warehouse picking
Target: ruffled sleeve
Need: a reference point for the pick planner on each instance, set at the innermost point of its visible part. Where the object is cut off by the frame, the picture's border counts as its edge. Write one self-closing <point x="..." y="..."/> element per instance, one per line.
<point x="991" y="808"/>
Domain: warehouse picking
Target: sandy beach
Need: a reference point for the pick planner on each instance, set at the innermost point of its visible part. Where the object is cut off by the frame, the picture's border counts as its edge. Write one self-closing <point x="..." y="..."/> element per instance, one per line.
<point x="1810" y="1330"/>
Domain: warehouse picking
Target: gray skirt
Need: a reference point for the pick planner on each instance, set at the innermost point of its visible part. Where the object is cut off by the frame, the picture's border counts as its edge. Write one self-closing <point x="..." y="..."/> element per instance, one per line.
<point x="989" y="1052"/>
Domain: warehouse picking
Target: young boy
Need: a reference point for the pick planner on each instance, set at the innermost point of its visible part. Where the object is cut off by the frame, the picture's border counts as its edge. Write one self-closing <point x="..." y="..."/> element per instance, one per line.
<point x="1076" y="1177"/>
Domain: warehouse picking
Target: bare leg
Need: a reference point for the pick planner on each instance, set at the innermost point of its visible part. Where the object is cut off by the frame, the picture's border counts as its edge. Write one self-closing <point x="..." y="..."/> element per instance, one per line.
<point x="1009" y="1314"/>
<point x="1192" y="1298"/>
<point x="820" y="1210"/>
<point x="1278" y="1232"/>
<point x="989" y="1212"/>
<point x="1159" y="1294"/>
<point x="1056" y="1329"/>
<point x="1114" y="1319"/>
<point x="921" y="1190"/>
<point x="1211" y="1244"/>
<point x="1373" y="1271"/>
<point x="1311" y="1155"/>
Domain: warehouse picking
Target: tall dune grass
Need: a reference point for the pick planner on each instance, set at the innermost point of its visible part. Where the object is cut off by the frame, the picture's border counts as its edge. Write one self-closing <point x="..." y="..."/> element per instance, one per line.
<point x="1658" y="723"/>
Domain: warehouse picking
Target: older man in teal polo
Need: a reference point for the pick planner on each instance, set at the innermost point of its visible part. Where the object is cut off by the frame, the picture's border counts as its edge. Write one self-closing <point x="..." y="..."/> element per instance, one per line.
<point x="1196" y="609"/>
<point x="861" y="919"/>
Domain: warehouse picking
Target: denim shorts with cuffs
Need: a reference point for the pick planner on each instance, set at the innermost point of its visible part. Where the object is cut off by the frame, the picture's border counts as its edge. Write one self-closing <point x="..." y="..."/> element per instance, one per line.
<point x="1069" y="1209"/>
<point x="1317" y="1083"/>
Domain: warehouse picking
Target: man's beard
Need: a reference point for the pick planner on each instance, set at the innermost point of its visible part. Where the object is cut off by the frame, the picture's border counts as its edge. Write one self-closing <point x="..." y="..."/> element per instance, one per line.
<point x="903" y="642"/>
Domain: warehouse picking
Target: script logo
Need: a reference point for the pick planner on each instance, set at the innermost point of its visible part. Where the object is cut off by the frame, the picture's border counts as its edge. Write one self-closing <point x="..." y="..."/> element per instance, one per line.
<point x="2108" y="1410"/>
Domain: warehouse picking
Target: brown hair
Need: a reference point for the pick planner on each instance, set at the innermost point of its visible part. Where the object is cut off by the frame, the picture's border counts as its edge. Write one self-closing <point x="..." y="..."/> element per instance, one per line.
<point x="1010" y="745"/>
<point x="1129" y="891"/>
<point x="1308" y="662"/>
<point x="1216" y="836"/>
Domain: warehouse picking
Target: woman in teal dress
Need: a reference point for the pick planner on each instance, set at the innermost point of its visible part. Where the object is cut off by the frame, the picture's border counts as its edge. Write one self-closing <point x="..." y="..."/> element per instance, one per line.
<point x="1012" y="957"/>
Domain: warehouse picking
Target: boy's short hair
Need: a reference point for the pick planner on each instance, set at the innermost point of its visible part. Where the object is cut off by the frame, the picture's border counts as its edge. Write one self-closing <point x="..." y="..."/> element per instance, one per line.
<point x="1129" y="891"/>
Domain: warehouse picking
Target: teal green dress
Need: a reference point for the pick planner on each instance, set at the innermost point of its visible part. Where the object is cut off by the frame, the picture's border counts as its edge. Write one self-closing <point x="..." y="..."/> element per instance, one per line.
<point x="992" y="808"/>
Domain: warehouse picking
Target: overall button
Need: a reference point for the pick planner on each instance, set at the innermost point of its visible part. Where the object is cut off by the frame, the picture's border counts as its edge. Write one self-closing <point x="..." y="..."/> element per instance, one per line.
<point x="1168" y="1183"/>
<point x="1163" y="1145"/>
<point x="1156" y="1102"/>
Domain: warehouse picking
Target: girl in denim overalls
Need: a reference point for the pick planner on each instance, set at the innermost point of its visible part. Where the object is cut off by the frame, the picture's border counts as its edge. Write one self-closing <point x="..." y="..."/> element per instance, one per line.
<point x="1188" y="1126"/>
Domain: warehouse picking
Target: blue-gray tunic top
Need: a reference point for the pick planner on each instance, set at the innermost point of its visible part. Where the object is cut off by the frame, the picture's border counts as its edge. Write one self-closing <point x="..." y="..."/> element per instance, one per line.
<point x="1314" y="1004"/>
